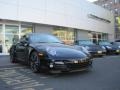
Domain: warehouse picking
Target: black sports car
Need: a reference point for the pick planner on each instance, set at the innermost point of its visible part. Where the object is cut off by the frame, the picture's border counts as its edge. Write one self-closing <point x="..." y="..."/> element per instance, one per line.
<point x="94" y="50"/>
<point x="110" y="48"/>
<point x="46" y="52"/>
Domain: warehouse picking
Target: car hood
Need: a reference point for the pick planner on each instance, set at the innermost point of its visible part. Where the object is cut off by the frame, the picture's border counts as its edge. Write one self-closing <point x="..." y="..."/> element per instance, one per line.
<point x="59" y="51"/>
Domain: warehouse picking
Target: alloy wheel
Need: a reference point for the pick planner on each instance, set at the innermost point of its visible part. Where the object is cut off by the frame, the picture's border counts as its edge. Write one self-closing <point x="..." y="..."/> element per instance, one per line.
<point x="34" y="62"/>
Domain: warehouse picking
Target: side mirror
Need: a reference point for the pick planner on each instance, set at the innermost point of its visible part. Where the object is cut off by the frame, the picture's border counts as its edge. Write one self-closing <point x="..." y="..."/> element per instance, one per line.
<point x="25" y="43"/>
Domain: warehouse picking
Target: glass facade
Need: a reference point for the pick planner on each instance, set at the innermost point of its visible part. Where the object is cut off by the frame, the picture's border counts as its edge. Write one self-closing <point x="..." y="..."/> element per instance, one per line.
<point x="26" y="29"/>
<point x="10" y="34"/>
<point x="67" y="35"/>
<point x="96" y="37"/>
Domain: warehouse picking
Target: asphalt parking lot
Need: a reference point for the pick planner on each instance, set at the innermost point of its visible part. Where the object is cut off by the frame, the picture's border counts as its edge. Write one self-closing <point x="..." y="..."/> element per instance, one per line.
<point x="105" y="75"/>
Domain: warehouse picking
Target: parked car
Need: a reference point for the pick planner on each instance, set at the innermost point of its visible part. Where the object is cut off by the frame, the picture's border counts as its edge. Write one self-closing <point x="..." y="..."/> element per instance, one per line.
<point x="110" y="48"/>
<point x="48" y="53"/>
<point x="94" y="50"/>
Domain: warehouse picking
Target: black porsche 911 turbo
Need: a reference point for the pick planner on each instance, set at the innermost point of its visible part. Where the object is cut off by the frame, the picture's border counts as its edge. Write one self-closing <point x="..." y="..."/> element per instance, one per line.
<point x="48" y="53"/>
<point x="110" y="48"/>
<point x="94" y="50"/>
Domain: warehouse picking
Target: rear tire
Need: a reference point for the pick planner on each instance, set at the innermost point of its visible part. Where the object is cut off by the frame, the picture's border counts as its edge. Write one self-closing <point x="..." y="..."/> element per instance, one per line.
<point x="12" y="56"/>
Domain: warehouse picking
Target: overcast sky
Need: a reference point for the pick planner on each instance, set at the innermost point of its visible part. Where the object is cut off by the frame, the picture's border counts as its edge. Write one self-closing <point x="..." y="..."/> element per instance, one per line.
<point x="91" y="0"/>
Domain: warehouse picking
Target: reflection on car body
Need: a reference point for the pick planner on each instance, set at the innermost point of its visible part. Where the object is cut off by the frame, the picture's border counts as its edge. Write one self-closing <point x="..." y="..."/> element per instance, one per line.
<point x="83" y="49"/>
<point x="46" y="52"/>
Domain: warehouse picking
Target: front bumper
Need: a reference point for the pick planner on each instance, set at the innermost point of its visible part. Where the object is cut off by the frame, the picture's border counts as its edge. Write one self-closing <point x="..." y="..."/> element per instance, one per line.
<point x="70" y="66"/>
<point x="97" y="53"/>
<point x="117" y="51"/>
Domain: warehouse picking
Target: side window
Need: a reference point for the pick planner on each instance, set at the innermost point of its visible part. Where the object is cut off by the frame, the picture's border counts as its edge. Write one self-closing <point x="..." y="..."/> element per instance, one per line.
<point x="23" y="39"/>
<point x="18" y="44"/>
<point x="15" y="39"/>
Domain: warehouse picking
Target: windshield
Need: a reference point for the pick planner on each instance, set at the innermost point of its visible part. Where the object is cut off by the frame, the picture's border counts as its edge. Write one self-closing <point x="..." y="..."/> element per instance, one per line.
<point x="105" y="43"/>
<point x="85" y="42"/>
<point x="43" y="38"/>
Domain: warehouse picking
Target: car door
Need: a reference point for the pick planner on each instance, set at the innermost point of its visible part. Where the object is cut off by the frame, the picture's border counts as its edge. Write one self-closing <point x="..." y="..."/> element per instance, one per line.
<point x="21" y="50"/>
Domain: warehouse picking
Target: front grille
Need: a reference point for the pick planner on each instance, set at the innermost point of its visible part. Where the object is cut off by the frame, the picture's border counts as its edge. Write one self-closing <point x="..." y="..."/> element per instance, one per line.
<point x="77" y="65"/>
<point x="96" y="48"/>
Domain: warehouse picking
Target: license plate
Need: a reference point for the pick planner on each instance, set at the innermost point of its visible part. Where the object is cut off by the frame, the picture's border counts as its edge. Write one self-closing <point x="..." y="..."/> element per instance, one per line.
<point x="99" y="52"/>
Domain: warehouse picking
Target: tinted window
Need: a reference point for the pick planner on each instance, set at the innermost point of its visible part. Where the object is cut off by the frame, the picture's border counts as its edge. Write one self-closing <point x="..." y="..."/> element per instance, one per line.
<point x="43" y="38"/>
<point x="23" y="38"/>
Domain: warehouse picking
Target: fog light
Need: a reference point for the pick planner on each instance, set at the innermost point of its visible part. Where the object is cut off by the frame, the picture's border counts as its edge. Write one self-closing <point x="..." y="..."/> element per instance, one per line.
<point x="41" y="54"/>
<point x="51" y="65"/>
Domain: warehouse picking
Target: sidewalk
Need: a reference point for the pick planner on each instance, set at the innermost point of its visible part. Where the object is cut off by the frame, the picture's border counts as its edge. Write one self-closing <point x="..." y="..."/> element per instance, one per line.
<point x="5" y="61"/>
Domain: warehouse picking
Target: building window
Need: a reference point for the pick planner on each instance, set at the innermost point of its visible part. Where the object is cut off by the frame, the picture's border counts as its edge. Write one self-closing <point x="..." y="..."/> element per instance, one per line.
<point x="11" y="29"/>
<point x="104" y="36"/>
<point x="97" y="37"/>
<point x="118" y="20"/>
<point x="26" y="29"/>
<point x="67" y="35"/>
<point x="11" y="36"/>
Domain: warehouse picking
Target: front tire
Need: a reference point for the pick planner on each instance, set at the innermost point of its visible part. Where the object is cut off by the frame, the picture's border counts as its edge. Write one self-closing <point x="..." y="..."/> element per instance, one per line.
<point x="34" y="62"/>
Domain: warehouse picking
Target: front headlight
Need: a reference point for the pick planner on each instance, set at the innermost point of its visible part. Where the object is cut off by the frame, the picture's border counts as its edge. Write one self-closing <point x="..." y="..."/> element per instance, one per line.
<point x="103" y="47"/>
<point x="109" y="47"/>
<point x="51" y="51"/>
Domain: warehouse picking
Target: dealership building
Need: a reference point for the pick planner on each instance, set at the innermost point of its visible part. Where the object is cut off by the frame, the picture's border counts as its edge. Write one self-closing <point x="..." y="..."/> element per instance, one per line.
<point x="69" y="20"/>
